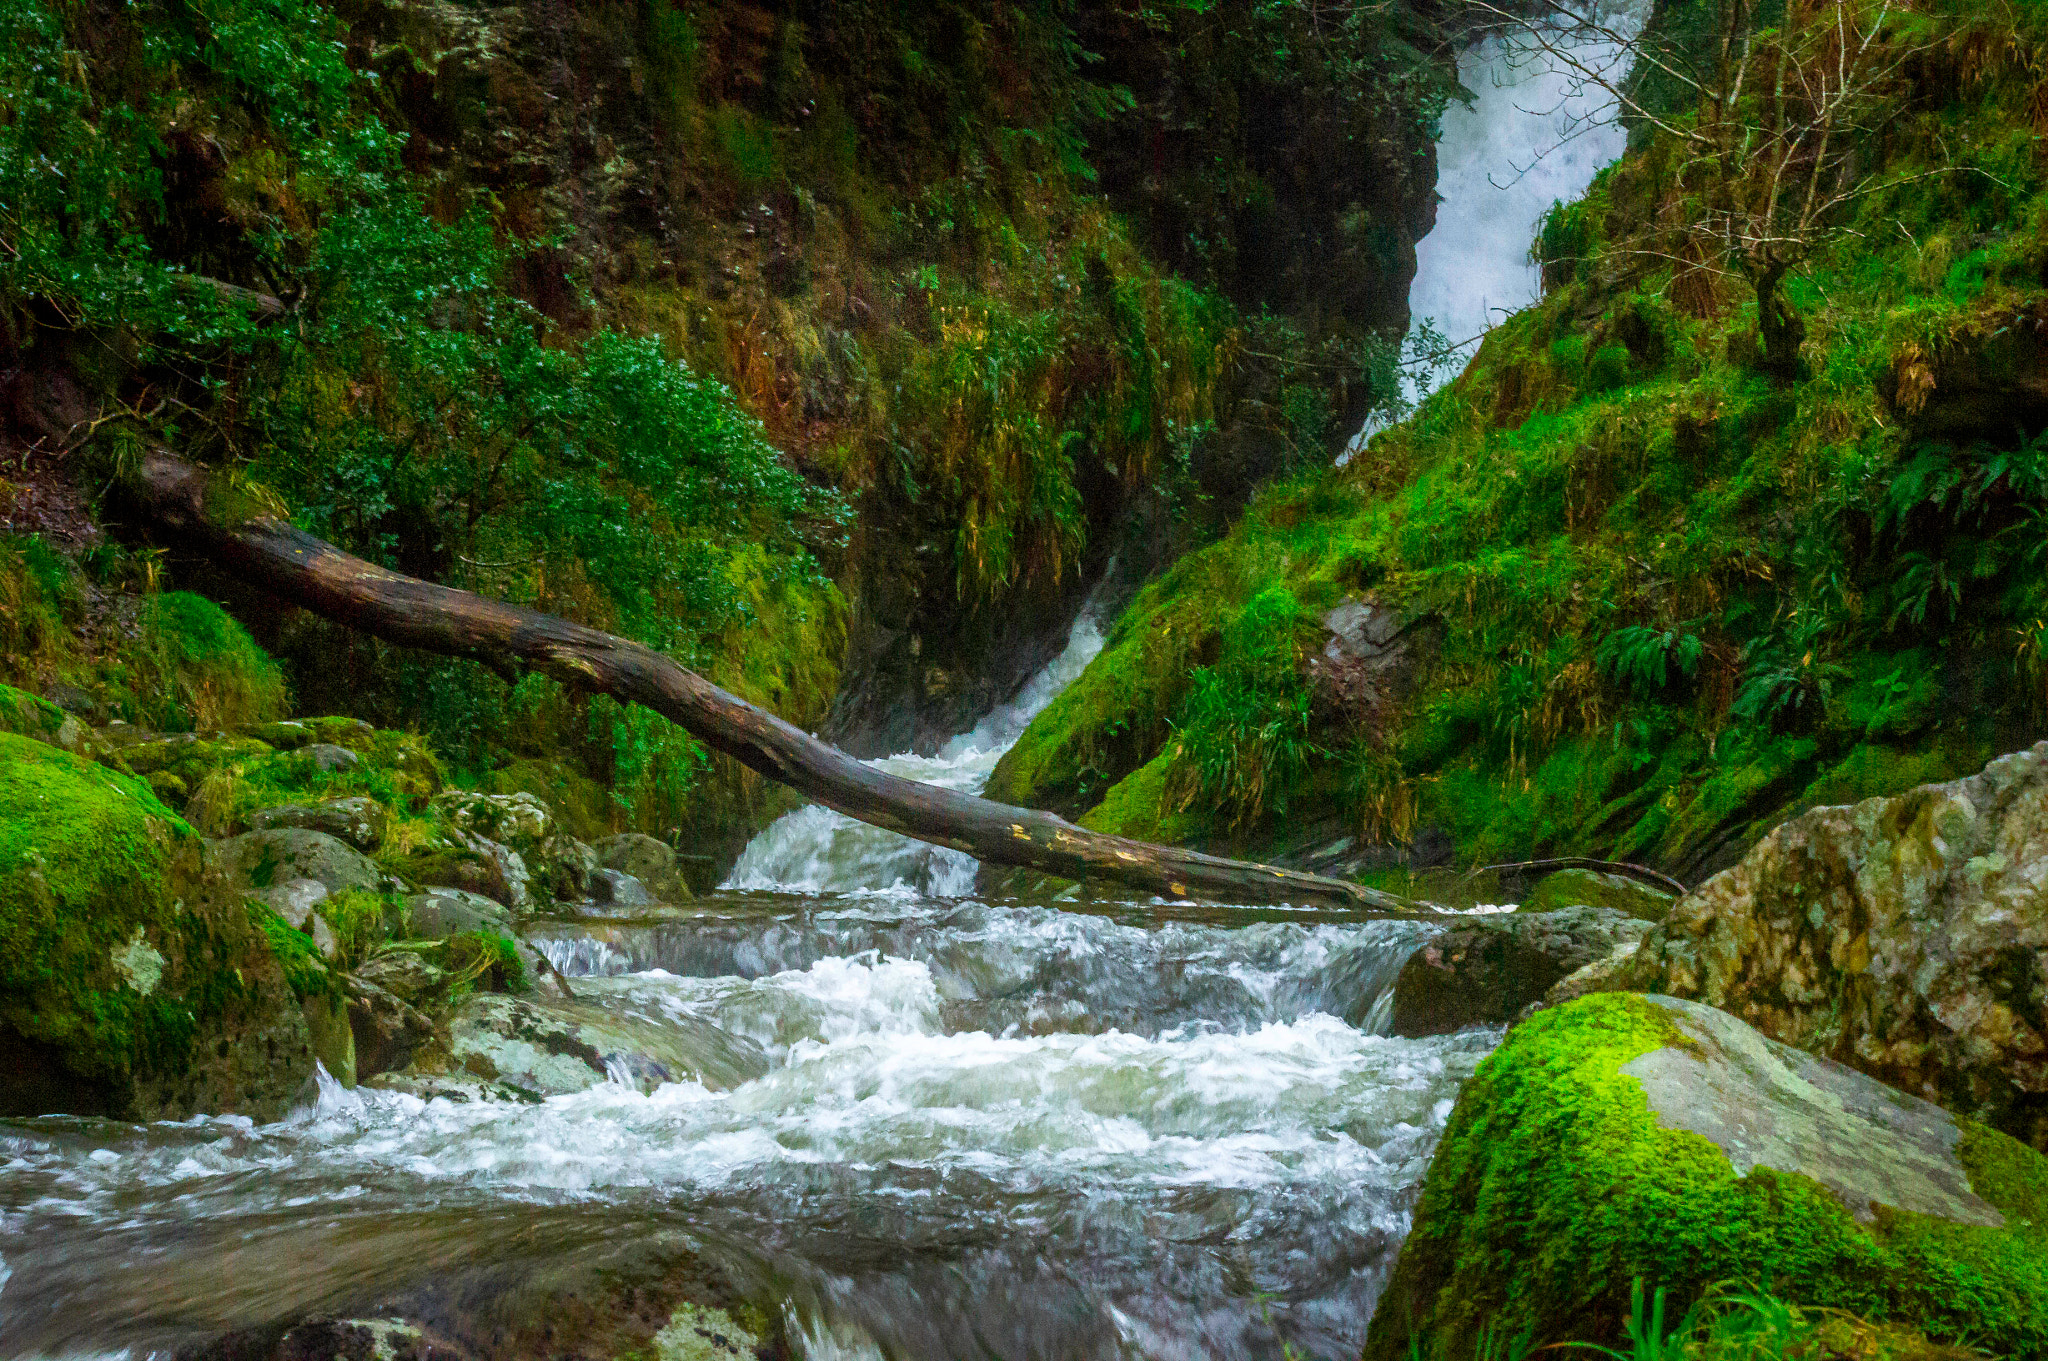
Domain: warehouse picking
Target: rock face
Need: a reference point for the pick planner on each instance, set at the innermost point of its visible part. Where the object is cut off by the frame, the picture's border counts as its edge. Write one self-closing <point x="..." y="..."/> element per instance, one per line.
<point x="1622" y="1136"/>
<point x="133" y="981"/>
<point x="1487" y="970"/>
<point x="1906" y="937"/>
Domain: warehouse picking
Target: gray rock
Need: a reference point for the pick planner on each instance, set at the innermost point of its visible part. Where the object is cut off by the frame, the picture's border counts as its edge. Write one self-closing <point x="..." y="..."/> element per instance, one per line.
<point x="574" y="862"/>
<point x="263" y="860"/>
<point x="327" y="757"/>
<point x="548" y="1048"/>
<point x="1766" y="1104"/>
<point x="406" y="976"/>
<point x="616" y="888"/>
<point x="1593" y="888"/>
<point x="295" y="900"/>
<point x="388" y="1030"/>
<point x="648" y="860"/>
<point x="1486" y="970"/>
<point x="358" y="820"/>
<point x="325" y="943"/>
<point x="508" y="866"/>
<point x="452" y="911"/>
<point x="1906" y="937"/>
<point x="519" y="821"/>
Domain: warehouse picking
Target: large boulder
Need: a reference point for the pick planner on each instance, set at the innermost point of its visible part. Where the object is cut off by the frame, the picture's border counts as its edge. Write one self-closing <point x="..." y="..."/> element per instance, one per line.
<point x="358" y="820"/>
<point x="648" y="860"/>
<point x="265" y="860"/>
<point x="134" y="982"/>
<point x="1623" y="1138"/>
<point x="551" y="1048"/>
<point x="1486" y="970"/>
<point x="1906" y="937"/>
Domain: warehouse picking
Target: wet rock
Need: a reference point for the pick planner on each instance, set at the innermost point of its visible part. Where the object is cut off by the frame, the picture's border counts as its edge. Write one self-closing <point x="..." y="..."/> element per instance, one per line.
<point x="1592" y="888"/>
<point x="133" y="981"/>
<point x="450" y="912"/>
<point x="555" y="1047"/>
<point x="333" y="1037"/>
<point x="471" y="863"/>
<point x="388" y="1030"/>
<point x="519" y="821"/>
<point x="359" y="821"/>
<point x="330" y="759"/>
<point x="1486" y="970"/>
<point x="650" y="861"/>
<point x="1370" y="659"/>
<point x="642" y="1296"/>
<point x="1623" y="1137"/>
<point x="265" y="860"/>
<point x="295" y="900"/>
<point x="1906" y="937"/>
<point x="575" y="861"/>
<point x="406" y="975"/>
<point x="616" y="888"/>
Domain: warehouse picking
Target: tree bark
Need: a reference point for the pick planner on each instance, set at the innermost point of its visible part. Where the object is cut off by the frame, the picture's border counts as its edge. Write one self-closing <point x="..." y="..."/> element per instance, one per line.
<point x="221" y="524"/>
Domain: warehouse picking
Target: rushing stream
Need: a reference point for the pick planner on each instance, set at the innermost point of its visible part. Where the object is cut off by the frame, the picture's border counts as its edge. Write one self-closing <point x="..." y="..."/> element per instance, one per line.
<point x="929" y="1127"/>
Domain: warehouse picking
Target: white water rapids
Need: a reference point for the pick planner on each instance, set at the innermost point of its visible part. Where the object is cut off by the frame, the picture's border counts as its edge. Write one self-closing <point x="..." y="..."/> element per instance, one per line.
<point x="930" y="1127"/>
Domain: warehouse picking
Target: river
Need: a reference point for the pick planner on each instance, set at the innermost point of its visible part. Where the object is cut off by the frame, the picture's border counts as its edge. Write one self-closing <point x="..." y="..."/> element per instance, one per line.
<point x="946" y="1128"/>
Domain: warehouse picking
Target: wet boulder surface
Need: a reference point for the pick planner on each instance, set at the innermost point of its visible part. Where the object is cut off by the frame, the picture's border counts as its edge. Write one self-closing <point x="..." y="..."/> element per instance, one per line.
<point x="1485" y="970"/>
<point x="1626" y="1138"/>
<point x="1906" y="937"/>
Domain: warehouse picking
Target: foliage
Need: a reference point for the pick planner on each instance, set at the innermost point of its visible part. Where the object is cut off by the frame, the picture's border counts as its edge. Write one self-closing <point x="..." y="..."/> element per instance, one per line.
<point x="1678" y="606"/>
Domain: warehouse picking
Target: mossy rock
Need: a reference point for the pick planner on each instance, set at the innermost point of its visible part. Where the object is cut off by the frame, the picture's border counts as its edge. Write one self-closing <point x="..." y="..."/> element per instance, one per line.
<point x="36" y="718"/>
<point x="132" y="981"/>
<point x="1623" y="1138"/>
<point x="577" y="801"/>
<point x="1591" y="888"/>
<point x="202" y="669"/>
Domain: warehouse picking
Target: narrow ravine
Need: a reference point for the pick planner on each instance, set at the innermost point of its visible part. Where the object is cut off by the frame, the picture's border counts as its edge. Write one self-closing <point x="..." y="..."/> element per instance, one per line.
<point x="913" y="1123"/>
<point x="1535" y="134"/>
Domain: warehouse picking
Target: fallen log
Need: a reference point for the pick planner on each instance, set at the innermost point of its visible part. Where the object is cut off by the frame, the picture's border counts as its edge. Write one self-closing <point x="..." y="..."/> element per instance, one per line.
<point x="222" y="524"/>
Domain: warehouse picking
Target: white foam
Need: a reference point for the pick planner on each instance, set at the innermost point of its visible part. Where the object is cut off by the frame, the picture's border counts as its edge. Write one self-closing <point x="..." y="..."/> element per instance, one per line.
<point x="815" y="850"/>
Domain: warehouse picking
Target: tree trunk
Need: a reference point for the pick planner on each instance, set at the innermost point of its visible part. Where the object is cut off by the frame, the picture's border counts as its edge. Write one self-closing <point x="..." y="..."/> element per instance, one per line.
<point x="219" y="523"/>
<point x="1780" y="330"/>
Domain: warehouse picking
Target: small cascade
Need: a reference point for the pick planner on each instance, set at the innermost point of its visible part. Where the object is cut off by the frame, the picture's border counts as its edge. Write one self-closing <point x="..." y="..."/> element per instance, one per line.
<point x="815" y="850"/>
<point x="1535" y="134"/>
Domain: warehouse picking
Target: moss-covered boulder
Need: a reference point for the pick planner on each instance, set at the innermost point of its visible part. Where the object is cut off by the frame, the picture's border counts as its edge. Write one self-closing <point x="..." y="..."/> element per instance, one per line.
<point x="1592" y="888"/>
<point x="1624" y="1137"/>
<point x="1906" y="937"/>
<point x="133" y="982"/>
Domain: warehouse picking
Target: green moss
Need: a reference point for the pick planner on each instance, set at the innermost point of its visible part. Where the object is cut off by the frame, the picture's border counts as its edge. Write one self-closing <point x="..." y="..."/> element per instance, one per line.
<point x="29" y="715"/>
<point x="304" y="970"/>
<point x="202" y="669"/>
<point x="1137" y="806"/>
<point x="1556" y="1187"/>
<point x="85" y="860"/>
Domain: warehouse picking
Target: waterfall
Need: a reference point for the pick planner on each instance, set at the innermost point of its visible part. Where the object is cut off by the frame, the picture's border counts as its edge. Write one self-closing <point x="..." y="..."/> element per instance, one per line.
<point x="815" y="850"/>
<point x="1535" y="134"/>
